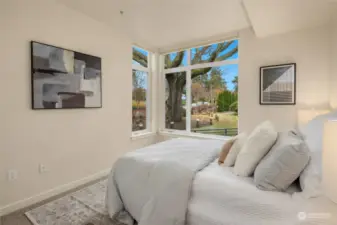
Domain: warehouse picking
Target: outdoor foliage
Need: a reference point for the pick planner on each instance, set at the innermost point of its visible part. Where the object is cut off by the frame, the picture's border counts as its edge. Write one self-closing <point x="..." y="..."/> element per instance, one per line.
<point x="138" y="105"/>
<point x="227" y="101"/>
<point x="139" y="89"/>
<point x="206" y="87"/>
<point x="235" y="82"/>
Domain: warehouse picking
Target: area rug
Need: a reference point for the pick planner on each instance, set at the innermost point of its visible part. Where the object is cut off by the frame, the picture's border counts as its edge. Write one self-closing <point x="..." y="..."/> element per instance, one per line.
<point x="86" y="206"/>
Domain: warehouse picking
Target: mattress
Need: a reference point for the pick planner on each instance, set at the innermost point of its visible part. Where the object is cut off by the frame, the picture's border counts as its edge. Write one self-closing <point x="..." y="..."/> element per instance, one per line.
<point x="219" y="197"/>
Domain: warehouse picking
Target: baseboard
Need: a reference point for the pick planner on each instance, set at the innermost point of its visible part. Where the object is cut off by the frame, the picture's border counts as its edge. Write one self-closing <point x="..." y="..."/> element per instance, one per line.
<point x="50" y="193"/>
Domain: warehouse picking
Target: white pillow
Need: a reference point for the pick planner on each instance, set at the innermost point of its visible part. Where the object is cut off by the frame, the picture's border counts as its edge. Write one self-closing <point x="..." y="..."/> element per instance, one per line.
<point x="283" y="164"/>
<point x="255" y="148"/>
<point x="235" y="149"/>
<point x="311" y="177"/>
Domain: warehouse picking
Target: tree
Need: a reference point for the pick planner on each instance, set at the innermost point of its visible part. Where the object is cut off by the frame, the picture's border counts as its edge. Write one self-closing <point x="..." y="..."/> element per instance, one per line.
<point x="177" y="81"/>
<point x="235" y="82"/>
<point x="227" y="101"/>
<point x="214" y="81"/>
<point x="138" y="79"/>
<point x="139" y="85"/>
<point x="197" y="91"/>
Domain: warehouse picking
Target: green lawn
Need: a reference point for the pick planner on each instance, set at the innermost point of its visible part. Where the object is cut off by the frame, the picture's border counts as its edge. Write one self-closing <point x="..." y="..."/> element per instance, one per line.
<point x="226" y="120"/>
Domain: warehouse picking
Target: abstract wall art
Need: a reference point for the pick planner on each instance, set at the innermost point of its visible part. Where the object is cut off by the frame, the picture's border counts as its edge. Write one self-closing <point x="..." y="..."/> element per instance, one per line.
<point x="278" y="84"/>
<point x="64" y="79"/>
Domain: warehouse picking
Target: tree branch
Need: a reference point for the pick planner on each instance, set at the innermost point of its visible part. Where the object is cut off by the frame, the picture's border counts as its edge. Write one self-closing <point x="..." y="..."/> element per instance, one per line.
<point x="168" y="61"/>
<point x="214" y="56"/>
<point x="227" y="55"/>
<point x="176" y="61"/>
<point x="199" y="53"/>
<point x="139" y="57"/>
<point x="198" y="72"/>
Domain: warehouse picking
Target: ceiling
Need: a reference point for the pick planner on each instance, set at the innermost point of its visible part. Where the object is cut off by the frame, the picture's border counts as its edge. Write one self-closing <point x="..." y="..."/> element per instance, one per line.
<point x="269" y="17"/>
<point x="162" y="24"/>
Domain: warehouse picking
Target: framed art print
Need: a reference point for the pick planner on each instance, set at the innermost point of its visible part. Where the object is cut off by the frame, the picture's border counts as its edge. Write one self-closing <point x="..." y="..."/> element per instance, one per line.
<point x="278" y="84"/>
<point x="64" y="79"/>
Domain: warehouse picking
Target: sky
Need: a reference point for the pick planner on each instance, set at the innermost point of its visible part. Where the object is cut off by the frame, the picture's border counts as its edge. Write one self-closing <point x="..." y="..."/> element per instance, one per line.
<point x="229" y="71"/>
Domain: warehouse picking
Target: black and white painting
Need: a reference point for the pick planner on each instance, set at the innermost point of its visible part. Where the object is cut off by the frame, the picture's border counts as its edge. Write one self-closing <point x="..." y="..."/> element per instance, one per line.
<point x="278" y="85"/>
<point x="63" y="78"/>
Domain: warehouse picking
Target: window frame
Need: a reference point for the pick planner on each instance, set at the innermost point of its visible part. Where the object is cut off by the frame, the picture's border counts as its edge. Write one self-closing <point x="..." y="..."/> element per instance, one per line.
<point x="188" y="69"/>
<point x="148" y="131"/>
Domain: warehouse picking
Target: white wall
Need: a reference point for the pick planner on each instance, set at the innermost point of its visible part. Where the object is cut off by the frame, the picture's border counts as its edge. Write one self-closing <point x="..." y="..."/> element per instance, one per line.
<point x="73" y="144"/>
<point x="309" y="49"/>
<point x="333" y="62"/>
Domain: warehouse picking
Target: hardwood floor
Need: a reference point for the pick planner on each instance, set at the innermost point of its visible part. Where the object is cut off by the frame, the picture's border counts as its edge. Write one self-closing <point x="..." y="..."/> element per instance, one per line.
<point x="19" y="218"/>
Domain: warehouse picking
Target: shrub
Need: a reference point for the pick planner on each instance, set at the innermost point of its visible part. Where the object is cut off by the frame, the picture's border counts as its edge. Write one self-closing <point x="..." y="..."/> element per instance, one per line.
<point x="225" y="101"/>
<point x="138" y="105"/>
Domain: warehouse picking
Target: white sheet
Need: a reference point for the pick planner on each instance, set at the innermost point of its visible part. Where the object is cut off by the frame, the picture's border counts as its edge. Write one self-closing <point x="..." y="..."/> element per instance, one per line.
<point x="221" y="198"/>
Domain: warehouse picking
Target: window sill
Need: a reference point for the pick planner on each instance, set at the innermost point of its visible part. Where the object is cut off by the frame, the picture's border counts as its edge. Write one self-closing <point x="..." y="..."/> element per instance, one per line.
<point x="142" y="135"/>
<point x="193" y="135"/>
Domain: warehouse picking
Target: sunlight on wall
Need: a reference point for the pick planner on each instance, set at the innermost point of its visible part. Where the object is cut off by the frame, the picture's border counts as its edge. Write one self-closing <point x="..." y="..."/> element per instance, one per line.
<point x="304" y="116"/>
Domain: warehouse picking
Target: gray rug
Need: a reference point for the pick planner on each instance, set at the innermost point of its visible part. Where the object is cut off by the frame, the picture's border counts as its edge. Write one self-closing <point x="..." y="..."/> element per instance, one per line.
<point x="86" y="206"/>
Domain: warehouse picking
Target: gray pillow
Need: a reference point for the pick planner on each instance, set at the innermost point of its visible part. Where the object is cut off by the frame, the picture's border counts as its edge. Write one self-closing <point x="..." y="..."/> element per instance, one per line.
<point x="283" y="164"/>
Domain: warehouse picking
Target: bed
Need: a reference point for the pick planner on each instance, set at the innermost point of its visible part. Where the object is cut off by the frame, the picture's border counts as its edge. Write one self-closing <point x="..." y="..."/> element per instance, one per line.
<point x="179" y="182"/>
<point x="220" y="197"/>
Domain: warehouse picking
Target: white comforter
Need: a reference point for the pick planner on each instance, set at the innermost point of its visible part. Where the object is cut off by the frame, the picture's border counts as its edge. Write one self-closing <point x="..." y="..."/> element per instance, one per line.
<point x="153" y="184"/>
<point x="218" y="197"/>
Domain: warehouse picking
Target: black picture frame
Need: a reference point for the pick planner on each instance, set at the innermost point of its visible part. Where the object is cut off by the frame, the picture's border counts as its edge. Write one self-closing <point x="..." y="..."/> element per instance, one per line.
<point x="278" y="84"/>
<point x="50" y="74"/>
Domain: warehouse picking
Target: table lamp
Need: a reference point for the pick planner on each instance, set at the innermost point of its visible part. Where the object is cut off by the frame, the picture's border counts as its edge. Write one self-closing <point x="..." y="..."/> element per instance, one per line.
<point x="329" y="179"/>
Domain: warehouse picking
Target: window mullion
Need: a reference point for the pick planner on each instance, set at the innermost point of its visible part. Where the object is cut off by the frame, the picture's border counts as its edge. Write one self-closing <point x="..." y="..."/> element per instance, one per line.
<point x="161" y="94"/>
<point x="188" y="93"/>
<point x="149" y="94"/>
<point x="140" y="68"/>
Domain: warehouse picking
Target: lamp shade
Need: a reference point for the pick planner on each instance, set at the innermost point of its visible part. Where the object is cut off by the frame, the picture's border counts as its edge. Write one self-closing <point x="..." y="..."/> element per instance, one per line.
<point x="329" y="179"/>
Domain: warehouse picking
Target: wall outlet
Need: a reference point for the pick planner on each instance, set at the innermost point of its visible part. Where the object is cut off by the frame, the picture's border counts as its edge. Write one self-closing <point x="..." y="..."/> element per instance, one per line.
<point x="42" y="168"/>
<point x="12" y="175"/>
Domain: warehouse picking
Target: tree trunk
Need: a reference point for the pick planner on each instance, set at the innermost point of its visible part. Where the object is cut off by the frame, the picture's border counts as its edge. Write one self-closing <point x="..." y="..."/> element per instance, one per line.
<point x="174" y="110"/>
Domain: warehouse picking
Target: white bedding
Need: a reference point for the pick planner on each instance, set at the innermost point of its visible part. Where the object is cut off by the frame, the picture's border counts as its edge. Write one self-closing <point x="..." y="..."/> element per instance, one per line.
<point x="217" y="196"/>
<point x="153" y="184"/>
<point x="221" y="198"/>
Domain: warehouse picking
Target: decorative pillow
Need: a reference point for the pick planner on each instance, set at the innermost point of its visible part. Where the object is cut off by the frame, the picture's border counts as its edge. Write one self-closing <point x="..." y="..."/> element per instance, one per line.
<point x="283" y="164"/>
<point x="311" y="177"/>
<point x="239" y="140"/>
<point x="255" y="148"/>
<point x="225" y="150"/>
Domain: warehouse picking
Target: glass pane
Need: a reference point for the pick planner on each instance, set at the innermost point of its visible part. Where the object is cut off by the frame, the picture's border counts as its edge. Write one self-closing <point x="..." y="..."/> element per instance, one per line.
<point x="214" y="100"/>
<point x="139" y="90"/>
<point x="139" y="56"/>
<point x="175" y="59"/>
<point x="216" y="52"/>
<point x="175" y="101"/>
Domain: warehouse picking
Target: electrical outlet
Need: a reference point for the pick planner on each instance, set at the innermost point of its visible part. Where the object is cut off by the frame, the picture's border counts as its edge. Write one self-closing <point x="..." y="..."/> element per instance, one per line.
<point x="42" y="168"/>
<point x="12" y="175"/>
